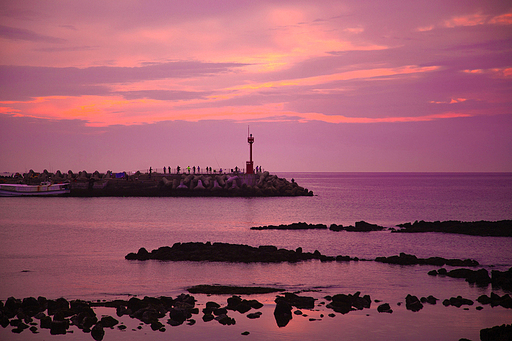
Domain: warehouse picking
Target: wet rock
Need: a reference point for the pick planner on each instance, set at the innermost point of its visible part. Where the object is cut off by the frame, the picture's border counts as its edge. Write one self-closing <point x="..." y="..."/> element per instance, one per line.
<point x="224" y="252"/>
<point x="503" y="332"/>
<point x="108" y="321"/>
<point x="299" y="302"/>
<point x="477" y="228"/>
<point x="496" y="300"/>
<point x="457" y="302"/>
<point x="413" y="303"/>
<point x="59" y="327"/>
<point x="479" y="277"/>
<point x="254" y="315"/>
<point x="225" y="320"/>
<point x="342" y="303"/>
<point x="502" y="279"/>
<point x="97" y="332"/>
<point x="384" y="308"/>
<point x="282" y="313"/>
<point x="406" y="259"/>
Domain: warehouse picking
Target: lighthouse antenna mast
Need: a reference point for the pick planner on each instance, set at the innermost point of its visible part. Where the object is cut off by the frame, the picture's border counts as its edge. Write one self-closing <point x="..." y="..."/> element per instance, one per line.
<point x="249" y="164"/>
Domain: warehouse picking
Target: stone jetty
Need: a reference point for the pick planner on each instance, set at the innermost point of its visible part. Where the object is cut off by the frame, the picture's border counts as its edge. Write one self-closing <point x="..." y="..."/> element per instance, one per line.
<point x="235" y="184"/>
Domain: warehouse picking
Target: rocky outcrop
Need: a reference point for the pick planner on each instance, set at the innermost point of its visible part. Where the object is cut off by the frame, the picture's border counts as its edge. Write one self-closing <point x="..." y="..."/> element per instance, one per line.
<point x="457" y="301"/>
<point x="342" y="303"/>
<point x="502" y="279"/>
<point x="228" y="289"/>
<point x="503" y="332"/>
<point x="502" y="228"/>
<point x="479" y="277"/>
<point x="360" y="226"/>
<point x="496" y="300"/>
<point x="224" y="252"/>
<point x="406" y="259"/>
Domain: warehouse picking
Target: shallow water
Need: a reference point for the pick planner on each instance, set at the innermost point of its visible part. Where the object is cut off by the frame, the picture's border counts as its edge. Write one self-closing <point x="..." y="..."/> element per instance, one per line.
<point x="75" y="248"/>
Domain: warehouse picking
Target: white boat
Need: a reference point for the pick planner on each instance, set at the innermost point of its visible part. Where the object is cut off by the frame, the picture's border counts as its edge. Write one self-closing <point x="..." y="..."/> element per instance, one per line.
<point x="44" y="189"/>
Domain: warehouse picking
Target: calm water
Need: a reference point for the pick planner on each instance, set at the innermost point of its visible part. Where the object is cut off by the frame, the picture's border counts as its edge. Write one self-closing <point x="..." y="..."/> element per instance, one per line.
<point x="75" y="248"/>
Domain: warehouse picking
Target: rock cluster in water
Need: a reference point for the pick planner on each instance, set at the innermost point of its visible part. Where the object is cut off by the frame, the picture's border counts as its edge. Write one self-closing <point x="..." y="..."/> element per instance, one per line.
<point x="59" y="315"/>
<point x="498" y="279"/>
<point x="502" y="228"/>
<point x="406" y="259"/>
<point x="224" y="252"/>
<point x="360" y="226"/>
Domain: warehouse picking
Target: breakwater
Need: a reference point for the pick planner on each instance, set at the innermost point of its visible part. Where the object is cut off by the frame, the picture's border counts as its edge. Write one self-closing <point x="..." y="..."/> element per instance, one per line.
<point x="83" y="184"/>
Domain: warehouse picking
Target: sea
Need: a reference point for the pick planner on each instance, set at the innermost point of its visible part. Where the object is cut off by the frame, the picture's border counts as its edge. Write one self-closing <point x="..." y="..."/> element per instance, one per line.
<point x="75" y="248"/>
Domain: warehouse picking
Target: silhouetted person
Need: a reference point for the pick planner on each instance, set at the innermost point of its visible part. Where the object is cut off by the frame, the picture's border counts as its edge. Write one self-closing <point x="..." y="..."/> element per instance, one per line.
<point x="178" y="170"/>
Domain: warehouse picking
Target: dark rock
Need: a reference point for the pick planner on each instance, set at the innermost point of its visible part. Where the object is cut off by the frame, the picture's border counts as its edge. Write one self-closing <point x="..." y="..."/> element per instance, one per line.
<point x="501" y="228"/>
<point x="225" y="320"/>
<point x="254" y="315"/>
<point x="282" y="313"/>
<point x="457" y="301"/>
<point x="108" y="321"/>
<point x="479" y="277"/>
<point x="406" y="259"/>
<point x="225" y="289"/>
<point x="412" y="303"/>
<point x="292" y="226"/>
<point x="97" y="332"/>
<point x="59" y="327"/>
<point x="384" y="308"/>
<point x="502" y="279"/>
<point x="497" y="333"/>
<point x="30" y="306"/>
<point x="300" y="302"/>
<point x="342" y="303"/>
<point x="208" y="317"/>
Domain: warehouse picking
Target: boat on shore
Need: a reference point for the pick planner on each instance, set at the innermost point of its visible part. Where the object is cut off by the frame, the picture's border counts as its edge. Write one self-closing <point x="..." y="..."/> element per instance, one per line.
<point x="44" y="189"/>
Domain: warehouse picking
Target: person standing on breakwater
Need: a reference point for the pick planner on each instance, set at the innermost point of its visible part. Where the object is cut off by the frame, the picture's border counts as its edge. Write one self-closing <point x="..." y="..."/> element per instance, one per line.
<point x="188" y="168"/>
<point x="178" y="170"/>
<point x="169" y="169"/>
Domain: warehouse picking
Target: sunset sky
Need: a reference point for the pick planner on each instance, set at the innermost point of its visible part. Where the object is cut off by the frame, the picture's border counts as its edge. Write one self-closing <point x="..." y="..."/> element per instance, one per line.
<point x="340" y="85"/>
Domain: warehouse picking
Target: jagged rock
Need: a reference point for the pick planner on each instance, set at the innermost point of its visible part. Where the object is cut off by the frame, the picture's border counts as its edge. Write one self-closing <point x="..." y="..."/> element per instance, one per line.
<point x="282" y="313"/>
<point x="384" y="308"/>
<point x="413" y="303"/>
<point x="406" y="259"/>
<point x="497" y="333"/>
<point x="457" y="301"/>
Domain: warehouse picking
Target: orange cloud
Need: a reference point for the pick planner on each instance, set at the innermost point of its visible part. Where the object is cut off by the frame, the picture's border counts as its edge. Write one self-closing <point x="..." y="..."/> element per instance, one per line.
<point x="504" y="19"/>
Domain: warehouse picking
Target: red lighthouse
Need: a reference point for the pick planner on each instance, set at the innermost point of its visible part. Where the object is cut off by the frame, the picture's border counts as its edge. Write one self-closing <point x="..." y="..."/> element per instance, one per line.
<point x="249" y="166"/>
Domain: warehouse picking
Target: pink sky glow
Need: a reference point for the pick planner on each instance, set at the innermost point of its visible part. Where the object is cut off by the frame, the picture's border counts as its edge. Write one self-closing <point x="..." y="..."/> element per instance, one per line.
<point x="324" y="85"/>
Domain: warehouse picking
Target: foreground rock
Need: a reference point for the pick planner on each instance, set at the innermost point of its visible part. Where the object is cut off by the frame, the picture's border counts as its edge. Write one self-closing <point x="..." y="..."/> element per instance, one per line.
<point x="497" y="333"/>
<point x="223" y="252"/>
<point x="342" y="303"/>
<point x="502" y="228"/>
<point x="360" y="226"/>
<point x="406" y="259"/>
